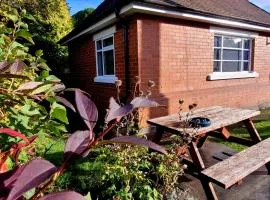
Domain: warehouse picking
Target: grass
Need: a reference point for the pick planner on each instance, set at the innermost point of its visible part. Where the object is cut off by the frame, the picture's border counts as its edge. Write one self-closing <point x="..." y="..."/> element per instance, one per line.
<point x="262" y="124"/>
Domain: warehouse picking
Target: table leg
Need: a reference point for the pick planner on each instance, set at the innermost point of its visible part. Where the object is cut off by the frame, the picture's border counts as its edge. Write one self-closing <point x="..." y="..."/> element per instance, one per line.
<point x="201" y="141"/>
<point x="198" y="162"/>
<point x="252" y="131"/>
<point x="158" y="135"/>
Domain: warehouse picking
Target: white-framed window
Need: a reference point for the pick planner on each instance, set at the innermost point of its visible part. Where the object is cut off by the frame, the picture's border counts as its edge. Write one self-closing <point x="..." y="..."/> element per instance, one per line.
<point x="232" y="53"/>
<point x="105" y="59"/>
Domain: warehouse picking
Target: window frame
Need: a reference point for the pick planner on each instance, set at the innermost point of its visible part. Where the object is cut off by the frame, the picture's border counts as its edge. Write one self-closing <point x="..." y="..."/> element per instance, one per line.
<point x="242" y="49"/>
<point x="105" y="78"/>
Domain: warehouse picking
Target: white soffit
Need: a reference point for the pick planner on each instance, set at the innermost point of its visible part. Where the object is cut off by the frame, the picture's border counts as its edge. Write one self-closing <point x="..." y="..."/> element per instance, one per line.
<point x="104" y="33"/>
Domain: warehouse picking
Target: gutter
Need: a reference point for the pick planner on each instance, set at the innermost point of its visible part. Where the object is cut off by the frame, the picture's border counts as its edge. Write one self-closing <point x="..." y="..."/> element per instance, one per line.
<point x="161" y="11"/>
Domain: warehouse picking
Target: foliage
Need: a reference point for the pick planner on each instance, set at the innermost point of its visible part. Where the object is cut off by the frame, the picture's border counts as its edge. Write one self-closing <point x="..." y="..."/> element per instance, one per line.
<point x="27" y="90"/>
<point x="44" y="173"/>
<point x="80" y="16"/>
<point x="123" y="172"/>
<point x="52" y="22"/>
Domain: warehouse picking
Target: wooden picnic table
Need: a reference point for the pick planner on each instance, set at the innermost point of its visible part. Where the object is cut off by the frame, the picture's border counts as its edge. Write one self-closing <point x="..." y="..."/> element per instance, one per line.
<point x="221" y="118"/>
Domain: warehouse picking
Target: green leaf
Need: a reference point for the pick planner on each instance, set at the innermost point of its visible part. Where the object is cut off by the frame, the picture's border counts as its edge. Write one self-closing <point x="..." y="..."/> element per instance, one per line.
<point x="42" y="89"/>
<point x="44" y="74"/>
<point x="59" y="112"/>
<point x="28" y="110"/>
<point x="30" y="17"/>
<point x="88" y="196"/>
<point x="53" y="78"/>
<point x="43" y="65"/>
<point x="26" y="35"/>
<point x="13" y="18"/>
<point x="39" y="53"/>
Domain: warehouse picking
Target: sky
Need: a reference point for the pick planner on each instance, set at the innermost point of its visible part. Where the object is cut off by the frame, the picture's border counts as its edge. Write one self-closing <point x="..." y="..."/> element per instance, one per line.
<point x="77" y="5"/>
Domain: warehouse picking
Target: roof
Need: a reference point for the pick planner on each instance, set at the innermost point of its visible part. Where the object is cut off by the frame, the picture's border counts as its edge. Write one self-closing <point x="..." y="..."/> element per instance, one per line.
<point x="239" y="10"/>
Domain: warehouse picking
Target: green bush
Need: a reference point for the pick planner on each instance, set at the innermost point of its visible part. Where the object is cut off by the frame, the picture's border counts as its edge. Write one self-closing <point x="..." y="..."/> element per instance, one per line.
<point x="122" y="172"/>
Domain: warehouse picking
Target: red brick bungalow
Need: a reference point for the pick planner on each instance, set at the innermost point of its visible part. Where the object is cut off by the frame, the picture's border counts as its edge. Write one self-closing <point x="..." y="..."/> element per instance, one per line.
<point x="213" y="52"/>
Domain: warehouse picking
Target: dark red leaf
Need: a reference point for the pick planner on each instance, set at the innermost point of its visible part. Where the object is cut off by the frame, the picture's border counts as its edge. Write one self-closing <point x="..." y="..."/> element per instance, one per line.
<point x="69" y="195"/>
<point x="86" y="108"/>
<point x="65" y="102"/>
<point x="13" y="133"/>
<point x="142" y="102"/>
<point x="77" y="143"/>
<point x="29" y="85"/>
<point x="10" y="177"/>
<point x="7" y="180"/>
<point x="4" y="66"/>
<point x="34" y="173"/>
<point x="113" y="105"/>
<point x="120" y="112"/>
<point x="17" y="67"/>
<point x="139" y="141"/>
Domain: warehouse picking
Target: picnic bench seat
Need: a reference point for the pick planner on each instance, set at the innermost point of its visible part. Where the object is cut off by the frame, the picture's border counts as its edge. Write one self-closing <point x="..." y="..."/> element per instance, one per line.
<point x="234" y="169"/>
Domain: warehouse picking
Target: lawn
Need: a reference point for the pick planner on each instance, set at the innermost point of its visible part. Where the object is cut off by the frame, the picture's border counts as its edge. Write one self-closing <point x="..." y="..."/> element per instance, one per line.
<point x="262" y="124"/>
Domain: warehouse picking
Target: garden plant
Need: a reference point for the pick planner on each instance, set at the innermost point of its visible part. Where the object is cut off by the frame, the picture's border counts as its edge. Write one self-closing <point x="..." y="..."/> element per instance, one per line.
<point x="33" y="107"/>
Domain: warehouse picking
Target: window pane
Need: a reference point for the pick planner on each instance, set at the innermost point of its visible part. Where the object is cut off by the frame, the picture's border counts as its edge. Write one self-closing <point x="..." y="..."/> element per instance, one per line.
<point x="108" y="42"/>
<point x="232" y="42"/>
<point x="232" y="54"/>
<point x="231" y="66"/>
<point x="99" y="45"/>
<point x="100" y="63"/>
<point x="246" y="66"/>
<point x="217" y="54"/>
<point x="246" y="55"/>
<point x="247" y="44"/>
<point x="218" y="40"/>
<point x="217" y="66"/>
<point x="108" y="62"/>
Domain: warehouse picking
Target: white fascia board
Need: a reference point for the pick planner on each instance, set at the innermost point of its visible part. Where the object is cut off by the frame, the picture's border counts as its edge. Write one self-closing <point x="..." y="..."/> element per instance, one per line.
<point x="201" y="18"/>
<point x="234" y="32"/>
<point x="136" y="8"/>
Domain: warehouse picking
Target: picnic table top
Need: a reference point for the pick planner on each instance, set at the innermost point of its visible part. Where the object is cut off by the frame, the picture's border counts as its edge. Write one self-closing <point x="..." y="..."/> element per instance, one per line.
<point x="220" y="117"/>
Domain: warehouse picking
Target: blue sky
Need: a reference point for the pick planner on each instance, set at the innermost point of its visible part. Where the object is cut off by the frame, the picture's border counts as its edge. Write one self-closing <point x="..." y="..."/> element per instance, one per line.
<point x="77" y="5"/>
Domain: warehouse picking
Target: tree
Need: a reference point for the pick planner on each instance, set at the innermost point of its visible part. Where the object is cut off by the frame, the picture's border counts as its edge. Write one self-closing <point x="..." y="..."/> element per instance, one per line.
<point x="80" y="16"/>
<point x="53" y="22"/>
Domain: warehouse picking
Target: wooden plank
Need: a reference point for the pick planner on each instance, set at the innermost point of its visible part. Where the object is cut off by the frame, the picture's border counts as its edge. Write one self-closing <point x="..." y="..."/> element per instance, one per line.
<point x="243" y="141"/>
<point x="220" y="117"/>
<point x="195" y="155"/>
<point x="225" y="133"/>
<point x="252" y="130"/>
<point x="201" y="141"/>
<point x="237" y="167"/>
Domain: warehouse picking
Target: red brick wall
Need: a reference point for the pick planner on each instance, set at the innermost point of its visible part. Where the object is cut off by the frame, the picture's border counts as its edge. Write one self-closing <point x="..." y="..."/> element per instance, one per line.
<point x="83" y="66"/>
<point x="178" y="55"/>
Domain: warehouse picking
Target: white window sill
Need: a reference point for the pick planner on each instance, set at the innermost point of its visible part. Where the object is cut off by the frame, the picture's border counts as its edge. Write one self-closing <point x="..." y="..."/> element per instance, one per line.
<point x="105" y="79"/>
<point x="231" y="75"/>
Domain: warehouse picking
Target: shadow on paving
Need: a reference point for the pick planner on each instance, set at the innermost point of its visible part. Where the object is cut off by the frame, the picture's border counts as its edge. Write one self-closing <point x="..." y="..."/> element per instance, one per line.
<point x="254" y="187"/>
